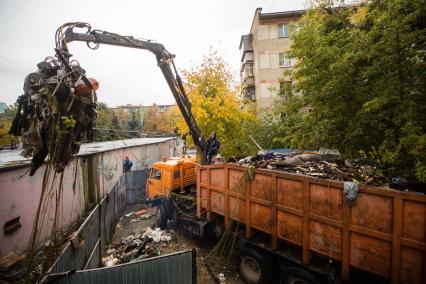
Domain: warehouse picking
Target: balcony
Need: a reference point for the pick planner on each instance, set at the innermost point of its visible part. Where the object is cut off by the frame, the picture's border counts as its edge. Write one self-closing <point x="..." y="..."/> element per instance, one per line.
<point x="247" y="57"/>
<point x="248" y="82"/>
<point x="249" y="93"/>
<point x="246" y="45"/>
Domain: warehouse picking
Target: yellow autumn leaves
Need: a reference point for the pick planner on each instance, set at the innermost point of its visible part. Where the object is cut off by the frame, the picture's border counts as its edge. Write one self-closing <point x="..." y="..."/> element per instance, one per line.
<point x="218" y="106"/>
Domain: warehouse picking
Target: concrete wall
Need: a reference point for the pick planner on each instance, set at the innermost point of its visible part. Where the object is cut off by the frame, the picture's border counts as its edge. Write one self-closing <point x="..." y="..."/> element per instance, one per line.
<point x="85" y="181"/>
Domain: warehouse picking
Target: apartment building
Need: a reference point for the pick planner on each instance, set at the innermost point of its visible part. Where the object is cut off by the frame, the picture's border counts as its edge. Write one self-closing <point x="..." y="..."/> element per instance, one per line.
<point x="265" y="56"/>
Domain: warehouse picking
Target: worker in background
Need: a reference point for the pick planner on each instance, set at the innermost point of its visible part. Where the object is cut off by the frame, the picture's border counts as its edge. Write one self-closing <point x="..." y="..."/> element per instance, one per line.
<point x="127" y="165"/>
<point x="213" y="146"/>
<point x="184" y="145"/>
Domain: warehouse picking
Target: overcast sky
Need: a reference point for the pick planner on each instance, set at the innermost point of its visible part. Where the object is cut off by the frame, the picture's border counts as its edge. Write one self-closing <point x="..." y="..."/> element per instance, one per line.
<point x="126" y="76"/>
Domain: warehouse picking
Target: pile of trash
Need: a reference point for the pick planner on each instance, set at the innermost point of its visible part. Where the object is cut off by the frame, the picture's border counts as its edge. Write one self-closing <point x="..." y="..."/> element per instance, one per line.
<point x="325" y="163"/>
<point x="11" y="267"/>
<point x="136" y="247"/>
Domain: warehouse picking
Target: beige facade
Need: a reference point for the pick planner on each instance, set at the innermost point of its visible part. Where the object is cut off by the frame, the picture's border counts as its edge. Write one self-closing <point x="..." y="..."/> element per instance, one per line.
<point x="264" y="56"/>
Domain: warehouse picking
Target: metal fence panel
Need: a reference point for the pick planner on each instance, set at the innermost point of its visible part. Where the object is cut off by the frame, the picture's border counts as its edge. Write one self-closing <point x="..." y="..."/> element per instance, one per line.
<point x="109" y="217"/>
<point x="136" y="186"/>
<point x="72" y="258"/>
<point x="65" y="261"/>
<point x="120" y="199"/>
<point x="95" y="258"/>
<point x="173" y="268"/>
<point x="90" y="233"/>
<point x="102" y="226"/>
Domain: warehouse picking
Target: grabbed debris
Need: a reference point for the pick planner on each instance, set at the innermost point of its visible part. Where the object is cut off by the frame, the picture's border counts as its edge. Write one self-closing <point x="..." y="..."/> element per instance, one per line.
<point x="57" y="107"/>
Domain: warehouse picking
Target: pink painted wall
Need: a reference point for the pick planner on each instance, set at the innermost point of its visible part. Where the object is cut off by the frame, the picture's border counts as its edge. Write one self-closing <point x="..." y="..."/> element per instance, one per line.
<point x="20" y="193"/>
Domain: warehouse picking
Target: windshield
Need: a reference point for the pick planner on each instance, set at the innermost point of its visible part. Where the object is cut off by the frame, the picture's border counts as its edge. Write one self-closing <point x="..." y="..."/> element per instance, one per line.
<point x="155" y="174"/>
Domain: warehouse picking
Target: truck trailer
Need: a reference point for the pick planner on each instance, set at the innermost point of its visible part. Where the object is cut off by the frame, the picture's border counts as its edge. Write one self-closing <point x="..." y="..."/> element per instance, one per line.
<point x="304" y="230"/>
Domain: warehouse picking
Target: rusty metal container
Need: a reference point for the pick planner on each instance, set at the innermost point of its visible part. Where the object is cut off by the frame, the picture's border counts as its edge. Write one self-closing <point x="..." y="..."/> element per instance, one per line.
<point x="384" y="232"/>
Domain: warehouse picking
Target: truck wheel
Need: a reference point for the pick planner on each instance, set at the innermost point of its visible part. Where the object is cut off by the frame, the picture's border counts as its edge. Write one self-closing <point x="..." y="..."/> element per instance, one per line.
<point x="161" y="218"/>
<point x="254" y="267"/>
<point x="295" y="275"/>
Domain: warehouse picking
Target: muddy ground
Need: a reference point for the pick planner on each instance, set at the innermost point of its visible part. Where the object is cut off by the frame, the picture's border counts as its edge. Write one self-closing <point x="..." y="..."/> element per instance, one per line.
<point x="180" y="241"/>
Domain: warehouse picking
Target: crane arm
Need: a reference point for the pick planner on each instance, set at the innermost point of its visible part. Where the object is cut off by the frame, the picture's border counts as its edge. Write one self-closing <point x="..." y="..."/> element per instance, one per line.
<point x="165" y="63"/>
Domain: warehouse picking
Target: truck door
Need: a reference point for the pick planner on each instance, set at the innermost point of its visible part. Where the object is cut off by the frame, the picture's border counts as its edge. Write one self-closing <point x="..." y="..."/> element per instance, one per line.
<point x="153" y="183"/>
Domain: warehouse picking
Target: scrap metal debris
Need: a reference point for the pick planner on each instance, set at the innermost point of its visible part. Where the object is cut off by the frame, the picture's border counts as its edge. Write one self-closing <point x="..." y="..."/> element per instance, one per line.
<point x="57" y="107"/>
<point x="325" y="163"/>
<point x="136" y="247"/>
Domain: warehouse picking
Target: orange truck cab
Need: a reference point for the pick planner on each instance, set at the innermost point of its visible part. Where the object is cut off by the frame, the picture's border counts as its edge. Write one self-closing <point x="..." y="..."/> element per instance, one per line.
<point x="173" y="174"/>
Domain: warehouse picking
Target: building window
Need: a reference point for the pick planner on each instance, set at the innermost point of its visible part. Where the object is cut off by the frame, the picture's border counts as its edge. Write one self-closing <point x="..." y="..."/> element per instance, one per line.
<point x="285" y="88"/>
<point x="283" y="31"/>
<point x="285" y="59"/>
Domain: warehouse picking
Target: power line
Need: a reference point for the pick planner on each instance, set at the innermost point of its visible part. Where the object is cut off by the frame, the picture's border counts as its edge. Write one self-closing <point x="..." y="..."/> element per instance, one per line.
<point x="14" y="63"/>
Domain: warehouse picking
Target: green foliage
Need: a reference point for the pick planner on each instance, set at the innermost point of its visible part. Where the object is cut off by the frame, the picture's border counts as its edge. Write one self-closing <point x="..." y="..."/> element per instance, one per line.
<point x="362" y="74"/>
<point x="134" y="124"/>
<point x="5" y="123"/>
<point x="68" y="122"/>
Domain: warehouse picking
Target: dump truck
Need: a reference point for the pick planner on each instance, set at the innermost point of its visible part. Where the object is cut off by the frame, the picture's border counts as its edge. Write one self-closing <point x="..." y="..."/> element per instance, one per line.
<point x="176" y="174"/>
<point x="303" y="229"/>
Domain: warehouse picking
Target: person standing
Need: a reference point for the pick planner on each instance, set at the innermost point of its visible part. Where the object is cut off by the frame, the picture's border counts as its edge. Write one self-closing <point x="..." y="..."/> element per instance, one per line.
<point x="127" y="164"/>
<point x="213" y="146"/>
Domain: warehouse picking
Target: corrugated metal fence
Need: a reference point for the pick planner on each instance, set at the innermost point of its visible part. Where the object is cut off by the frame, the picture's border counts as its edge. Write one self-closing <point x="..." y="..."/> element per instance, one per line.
<point x="172" y="268"/>
<point x="98" y="229"/>
<point x="136" y="186"/>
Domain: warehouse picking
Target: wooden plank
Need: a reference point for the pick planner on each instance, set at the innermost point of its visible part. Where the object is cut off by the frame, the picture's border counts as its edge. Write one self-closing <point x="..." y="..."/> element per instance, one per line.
<point x="326" y="220"/>
<point x="274" y="212"/>
<point x="248" y="210"/>
<point x="396" y="239"/>
<point x="371" y="233"/>
<point x="209" y="197"/>
<point x="198" y="171"/>
<point x="237" y="195"/>
<point x="226" y="201"/>
<point x="260" y="201"/>
<point x="414" y="244"/>
<point x="346" y="245"/>
<point x="306" y="231"/>
<point x="213" y="187"/>
<point x="290" y="210"/>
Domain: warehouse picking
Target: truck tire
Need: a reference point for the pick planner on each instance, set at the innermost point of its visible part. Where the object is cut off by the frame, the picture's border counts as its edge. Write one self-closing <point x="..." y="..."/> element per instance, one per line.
<point x="296" y="275"/>
<point x="161" y="217"/>
<point x="254" y="267"/>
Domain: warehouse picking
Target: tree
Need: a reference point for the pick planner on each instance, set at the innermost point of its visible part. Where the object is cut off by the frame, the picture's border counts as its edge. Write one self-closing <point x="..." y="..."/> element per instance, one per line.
<point x="361" y="71"/>
<point x="103" y="120"/>
<point x="116" y="125"/>
<point x="156" y="121"/>
<point x="6" y="119"/>
<point x="217" y="107"/>
<point x="134" y="124"/>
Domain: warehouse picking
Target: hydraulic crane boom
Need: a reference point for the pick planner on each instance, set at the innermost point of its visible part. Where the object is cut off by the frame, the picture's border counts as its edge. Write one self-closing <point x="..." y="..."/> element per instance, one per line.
<point x="164" y="60"/>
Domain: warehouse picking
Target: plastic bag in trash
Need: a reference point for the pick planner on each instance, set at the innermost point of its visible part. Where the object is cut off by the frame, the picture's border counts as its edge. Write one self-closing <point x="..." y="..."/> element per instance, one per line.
<point x="350" y="191"/>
